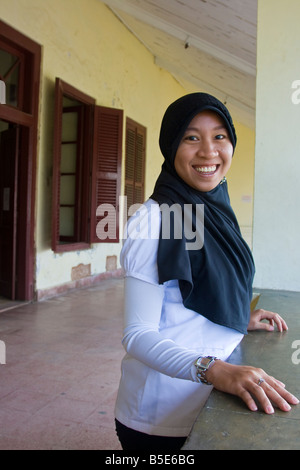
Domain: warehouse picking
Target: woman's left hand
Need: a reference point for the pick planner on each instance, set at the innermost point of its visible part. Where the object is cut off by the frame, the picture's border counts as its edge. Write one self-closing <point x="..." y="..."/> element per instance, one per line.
<point x="256" y="317"/>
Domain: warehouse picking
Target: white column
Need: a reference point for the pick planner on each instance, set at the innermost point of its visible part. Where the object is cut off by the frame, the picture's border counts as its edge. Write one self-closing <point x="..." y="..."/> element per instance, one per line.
<point x="276" y="224"/>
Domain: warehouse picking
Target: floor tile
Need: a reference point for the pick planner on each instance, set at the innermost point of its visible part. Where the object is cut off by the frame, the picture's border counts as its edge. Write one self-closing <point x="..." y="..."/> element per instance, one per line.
<point x="59" y="384"/>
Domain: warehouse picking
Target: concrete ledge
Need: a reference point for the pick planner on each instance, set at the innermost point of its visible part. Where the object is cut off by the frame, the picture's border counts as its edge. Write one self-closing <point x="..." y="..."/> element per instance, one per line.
<point x="225" y="423"/>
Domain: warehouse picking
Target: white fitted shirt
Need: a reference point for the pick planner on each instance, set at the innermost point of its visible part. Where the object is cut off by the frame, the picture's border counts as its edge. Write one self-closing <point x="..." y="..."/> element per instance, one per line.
<point x="158" y="392"/>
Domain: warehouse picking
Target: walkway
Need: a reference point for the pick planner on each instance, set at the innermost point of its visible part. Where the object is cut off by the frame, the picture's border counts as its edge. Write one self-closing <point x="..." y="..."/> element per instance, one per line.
<point x="58" y="386"/>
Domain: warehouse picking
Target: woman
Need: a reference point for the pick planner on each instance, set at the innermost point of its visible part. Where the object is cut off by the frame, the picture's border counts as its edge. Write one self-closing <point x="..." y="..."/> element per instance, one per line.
<point x="188" y="289"/>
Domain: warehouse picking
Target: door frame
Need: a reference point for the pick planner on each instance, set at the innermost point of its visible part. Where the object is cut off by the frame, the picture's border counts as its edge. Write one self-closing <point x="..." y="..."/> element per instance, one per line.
<point x="27" y="118"/>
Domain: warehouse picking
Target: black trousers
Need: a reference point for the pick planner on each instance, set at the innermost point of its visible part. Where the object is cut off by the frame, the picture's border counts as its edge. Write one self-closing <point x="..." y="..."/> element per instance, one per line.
<point x="135" y="440"/>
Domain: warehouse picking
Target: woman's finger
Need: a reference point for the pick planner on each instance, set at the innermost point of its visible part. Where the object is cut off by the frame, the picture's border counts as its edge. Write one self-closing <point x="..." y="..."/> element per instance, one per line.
<point x="269" y="394"/>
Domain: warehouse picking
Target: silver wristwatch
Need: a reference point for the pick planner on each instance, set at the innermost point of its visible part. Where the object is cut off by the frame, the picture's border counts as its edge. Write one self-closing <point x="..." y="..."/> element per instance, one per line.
<point x="202" y="364"/>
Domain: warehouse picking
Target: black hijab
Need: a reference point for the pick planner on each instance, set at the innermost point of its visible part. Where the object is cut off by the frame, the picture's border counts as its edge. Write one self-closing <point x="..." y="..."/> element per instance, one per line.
<point x="216" y="279"/>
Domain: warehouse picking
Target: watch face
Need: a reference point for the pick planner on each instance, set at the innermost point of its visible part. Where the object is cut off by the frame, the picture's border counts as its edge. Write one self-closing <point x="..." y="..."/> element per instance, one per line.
<point x="202" y="364"/>
<point x="205" y="361"/>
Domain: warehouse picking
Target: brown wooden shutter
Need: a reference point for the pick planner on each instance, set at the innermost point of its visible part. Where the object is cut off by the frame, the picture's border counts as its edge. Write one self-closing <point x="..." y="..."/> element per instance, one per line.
<point x="130" y="164"/>
<point x="135" y="162"/>
<point x="106" y="173"/>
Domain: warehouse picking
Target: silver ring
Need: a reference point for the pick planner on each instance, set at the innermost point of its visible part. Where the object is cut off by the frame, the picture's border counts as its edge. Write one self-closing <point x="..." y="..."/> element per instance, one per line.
<point x="260" y="381"/>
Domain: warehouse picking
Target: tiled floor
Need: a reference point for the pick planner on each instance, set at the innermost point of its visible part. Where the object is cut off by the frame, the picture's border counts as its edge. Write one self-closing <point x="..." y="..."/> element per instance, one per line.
<point x="58" y="386"/>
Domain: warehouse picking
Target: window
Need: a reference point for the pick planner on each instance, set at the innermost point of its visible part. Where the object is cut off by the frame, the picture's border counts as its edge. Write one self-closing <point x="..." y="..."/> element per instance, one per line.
<point x="71" y="166"/>
<point x="11" y="72"/>
<point x="87" y="159"/>
<point x="135" y="162"/>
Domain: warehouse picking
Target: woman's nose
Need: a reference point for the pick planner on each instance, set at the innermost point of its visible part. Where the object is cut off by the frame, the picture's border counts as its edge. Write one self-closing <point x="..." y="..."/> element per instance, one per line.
<point x="207" y="149"/>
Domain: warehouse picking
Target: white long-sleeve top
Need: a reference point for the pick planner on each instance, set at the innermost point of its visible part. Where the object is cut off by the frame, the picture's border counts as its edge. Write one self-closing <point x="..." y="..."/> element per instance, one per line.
<point x="158" y="392"/>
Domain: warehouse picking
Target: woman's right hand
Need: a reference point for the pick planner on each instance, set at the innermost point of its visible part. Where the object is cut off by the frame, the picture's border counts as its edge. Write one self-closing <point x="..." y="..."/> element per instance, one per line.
<point x="251" y="383"/>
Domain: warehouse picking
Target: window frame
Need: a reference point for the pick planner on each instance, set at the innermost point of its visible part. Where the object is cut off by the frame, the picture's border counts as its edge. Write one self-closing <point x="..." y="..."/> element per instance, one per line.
<point x="64" y="89"/>
<point x="78" y="174"/>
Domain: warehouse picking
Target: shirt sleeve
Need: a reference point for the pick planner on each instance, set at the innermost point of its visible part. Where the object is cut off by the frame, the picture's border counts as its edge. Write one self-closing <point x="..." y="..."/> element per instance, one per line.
<point x="142" y="339"/>
<point x="144" y="298"/>
<point x="141" y="236"/>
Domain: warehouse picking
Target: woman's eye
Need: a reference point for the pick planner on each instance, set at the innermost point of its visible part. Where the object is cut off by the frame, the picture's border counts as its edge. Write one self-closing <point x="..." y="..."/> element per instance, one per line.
<point x="220" y="136"/>
<point x="191" y="137"/>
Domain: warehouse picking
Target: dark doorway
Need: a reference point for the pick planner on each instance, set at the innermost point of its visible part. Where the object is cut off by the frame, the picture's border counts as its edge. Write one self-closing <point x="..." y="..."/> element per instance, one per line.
<point x="9" y="152"/>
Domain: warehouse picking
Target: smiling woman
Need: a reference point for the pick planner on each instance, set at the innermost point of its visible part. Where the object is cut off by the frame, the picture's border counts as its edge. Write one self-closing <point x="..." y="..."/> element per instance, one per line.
<point x="186" y="310"/>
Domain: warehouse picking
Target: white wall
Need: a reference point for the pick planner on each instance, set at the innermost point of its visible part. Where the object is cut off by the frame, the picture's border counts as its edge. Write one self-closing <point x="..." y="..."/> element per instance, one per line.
<point x="276" y="225"/>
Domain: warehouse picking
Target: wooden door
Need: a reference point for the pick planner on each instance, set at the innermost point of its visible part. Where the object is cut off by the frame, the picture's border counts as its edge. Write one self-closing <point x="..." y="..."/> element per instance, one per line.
<point x="9" y="147"/>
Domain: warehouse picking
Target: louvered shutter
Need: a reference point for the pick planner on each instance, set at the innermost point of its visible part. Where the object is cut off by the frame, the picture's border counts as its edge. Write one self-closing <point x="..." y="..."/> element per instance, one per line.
<point x="130" y="165"/>
<point x="106" y="174"/>
<point x="135" y="162"/>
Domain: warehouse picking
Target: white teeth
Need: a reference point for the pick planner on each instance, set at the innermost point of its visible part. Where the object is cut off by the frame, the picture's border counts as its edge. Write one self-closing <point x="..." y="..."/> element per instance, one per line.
<point x="206" y="169"/>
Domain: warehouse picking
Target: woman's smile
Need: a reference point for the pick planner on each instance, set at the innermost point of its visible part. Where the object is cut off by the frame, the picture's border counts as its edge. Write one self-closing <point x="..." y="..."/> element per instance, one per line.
<point x="206" y="170"/>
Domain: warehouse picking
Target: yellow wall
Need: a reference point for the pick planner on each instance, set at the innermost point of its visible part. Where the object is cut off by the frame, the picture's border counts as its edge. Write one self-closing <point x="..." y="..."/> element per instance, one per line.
<point x="241" y="179"/>
<point x="85" y="45"/>
<point x="88" y="47"/>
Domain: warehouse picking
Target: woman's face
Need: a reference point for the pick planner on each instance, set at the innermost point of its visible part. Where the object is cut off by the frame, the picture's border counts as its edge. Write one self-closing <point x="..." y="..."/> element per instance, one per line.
<point x="205" y="152"/>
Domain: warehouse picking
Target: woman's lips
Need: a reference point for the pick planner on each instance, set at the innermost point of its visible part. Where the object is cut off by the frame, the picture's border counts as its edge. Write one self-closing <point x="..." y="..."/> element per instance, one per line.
<point x="206" y="170"/>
